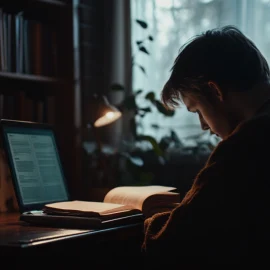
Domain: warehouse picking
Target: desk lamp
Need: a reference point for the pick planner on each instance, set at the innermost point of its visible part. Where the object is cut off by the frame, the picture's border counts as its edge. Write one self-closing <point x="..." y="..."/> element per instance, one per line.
<point x="101" y="113"/>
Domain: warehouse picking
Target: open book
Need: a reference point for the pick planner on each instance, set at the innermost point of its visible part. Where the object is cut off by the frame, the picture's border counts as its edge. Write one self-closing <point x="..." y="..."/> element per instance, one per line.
<point x="119" y="202"/>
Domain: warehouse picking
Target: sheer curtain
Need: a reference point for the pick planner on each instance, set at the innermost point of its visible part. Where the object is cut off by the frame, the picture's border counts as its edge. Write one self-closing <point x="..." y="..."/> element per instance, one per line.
<point x="174" y="22"/>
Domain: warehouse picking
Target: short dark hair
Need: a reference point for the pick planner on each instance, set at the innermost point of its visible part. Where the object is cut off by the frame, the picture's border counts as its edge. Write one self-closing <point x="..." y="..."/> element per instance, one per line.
<point x="223" y="55"/>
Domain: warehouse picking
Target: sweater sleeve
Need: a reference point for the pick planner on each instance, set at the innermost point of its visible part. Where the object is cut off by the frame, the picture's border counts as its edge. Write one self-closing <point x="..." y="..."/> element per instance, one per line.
<point x="185" y="228"/>
<point x="156" y="222"/>
<point x="216" y="217"/>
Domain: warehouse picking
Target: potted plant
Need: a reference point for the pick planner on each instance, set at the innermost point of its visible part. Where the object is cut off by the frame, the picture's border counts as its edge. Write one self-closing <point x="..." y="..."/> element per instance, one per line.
<point x="143" y="156"/>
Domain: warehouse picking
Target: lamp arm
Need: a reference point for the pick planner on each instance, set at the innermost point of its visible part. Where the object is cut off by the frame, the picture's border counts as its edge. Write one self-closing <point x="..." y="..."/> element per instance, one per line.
<point x="97" y="138"/>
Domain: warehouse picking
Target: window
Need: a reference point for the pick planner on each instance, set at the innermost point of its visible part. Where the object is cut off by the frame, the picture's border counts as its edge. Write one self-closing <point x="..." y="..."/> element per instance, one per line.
<point x="172" y="23"/>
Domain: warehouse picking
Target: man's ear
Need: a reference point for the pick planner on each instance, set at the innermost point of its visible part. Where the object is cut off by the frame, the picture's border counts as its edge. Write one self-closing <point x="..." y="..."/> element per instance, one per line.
<point x="216" y="90"/>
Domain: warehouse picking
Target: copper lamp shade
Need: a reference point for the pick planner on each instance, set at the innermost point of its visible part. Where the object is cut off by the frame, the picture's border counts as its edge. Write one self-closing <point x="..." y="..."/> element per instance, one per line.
<point x="102" y="112"/>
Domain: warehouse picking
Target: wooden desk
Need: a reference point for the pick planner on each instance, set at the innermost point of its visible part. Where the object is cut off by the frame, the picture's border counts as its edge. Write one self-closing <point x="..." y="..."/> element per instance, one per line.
<point x="20" y="240"/>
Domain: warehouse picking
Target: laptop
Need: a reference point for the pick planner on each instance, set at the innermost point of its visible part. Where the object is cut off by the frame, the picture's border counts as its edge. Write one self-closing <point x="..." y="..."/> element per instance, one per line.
<point x="38" y="175"/>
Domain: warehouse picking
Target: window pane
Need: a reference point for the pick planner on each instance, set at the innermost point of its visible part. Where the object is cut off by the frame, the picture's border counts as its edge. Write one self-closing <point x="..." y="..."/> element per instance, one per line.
<point x="172" y="23"/>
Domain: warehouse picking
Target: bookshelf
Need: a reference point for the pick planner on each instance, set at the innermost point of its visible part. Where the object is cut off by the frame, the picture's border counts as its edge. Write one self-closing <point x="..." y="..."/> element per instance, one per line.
<point x="37" y="71"/>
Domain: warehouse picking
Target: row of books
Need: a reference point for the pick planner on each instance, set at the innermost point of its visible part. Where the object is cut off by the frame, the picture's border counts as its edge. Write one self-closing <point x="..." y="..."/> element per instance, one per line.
<point x="27" y="46"/>
<point x="24" y="107"/>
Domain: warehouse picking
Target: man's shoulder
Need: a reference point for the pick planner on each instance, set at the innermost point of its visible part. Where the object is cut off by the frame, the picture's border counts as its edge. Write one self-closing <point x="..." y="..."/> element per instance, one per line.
<point x="263" y="118"/>
<point x="259" y="124"/>
<point x="248" y="139"/>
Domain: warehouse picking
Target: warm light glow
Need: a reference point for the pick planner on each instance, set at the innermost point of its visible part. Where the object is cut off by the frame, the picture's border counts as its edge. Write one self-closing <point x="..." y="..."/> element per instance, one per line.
<point x="109" y="115"/>
<point x="108" y="118"/>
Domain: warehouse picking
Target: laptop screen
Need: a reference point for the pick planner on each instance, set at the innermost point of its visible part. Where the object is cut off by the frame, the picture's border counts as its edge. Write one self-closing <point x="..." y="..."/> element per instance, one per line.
<point x="34" y="164"/>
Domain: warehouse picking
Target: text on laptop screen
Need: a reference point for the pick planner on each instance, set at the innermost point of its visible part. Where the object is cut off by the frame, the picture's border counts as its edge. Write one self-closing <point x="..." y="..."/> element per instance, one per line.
<point x="37" y="166"/>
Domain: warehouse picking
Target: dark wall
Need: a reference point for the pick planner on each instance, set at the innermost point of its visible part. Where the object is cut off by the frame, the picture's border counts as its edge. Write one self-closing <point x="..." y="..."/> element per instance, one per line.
<point x="91" y="46"/>
<point x="94" y="25"/>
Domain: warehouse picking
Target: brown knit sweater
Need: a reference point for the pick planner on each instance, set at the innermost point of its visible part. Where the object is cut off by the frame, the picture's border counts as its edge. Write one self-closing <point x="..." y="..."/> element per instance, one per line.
<point x="224" y="217"/>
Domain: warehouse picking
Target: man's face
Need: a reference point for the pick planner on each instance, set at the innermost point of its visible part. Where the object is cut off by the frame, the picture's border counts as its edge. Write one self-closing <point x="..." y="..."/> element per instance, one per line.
<point x="213" y="115"/>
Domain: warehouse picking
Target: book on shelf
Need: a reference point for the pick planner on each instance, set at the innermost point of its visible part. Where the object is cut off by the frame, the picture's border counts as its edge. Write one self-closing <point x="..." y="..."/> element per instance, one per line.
<point x="27" y="45"/>
<point x="119" y="202"/>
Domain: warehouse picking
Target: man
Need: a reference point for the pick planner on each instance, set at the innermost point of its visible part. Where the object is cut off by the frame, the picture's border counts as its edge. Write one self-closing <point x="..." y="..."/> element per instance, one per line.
<point x="222" y="76"/>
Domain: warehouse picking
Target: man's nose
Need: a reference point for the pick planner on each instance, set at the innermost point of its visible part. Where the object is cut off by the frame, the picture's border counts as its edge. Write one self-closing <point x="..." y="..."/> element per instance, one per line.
<point x="204" y="126"/>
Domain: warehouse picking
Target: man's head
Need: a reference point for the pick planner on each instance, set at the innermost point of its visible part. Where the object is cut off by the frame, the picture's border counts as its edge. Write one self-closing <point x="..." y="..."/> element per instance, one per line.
<point x="212" y="70"/>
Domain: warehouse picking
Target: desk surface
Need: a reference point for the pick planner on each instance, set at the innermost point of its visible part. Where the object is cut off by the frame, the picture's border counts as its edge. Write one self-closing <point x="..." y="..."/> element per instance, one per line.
<point x="17" y="237"/>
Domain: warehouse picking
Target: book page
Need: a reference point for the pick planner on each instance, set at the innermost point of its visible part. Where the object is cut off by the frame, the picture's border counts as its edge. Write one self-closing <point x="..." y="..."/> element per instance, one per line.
<point x="134" y="195"/>
<point x="161" y="202"/>
<point x="85" y="207"/>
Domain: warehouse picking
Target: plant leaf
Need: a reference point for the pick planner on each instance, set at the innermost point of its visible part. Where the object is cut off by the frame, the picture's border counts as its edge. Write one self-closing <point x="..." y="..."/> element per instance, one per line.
<point x="141" y="114"/>
<point x="153" y="142"/>
<point x="175" y="138"/>
<point x="155" y="126"/>
<point x="165" y="143"/>
<point x="142" y="69"/>
<point x="163" y="110"/>
<point x="143" y="24"/>
<point x="143" y="49"/>
<point x="143" y="111"/>
<point x="150" y="96"/>
<point x="147" y="109"/>
<point x="139" y="42"/>
<point x="139" y="91"/>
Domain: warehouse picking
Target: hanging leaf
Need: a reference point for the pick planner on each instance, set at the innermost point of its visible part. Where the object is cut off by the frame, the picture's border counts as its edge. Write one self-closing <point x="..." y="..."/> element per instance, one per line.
<point x="139" y="91"/>
<point x="150" y="38"/>
<point x="175" y="138"/>
<point x="143" y="49"/>
<point x="142" y="69"/>
<point x="155" y="126"/>
<point x="143" y="24"/>
<point x="141" y="114"/>
<point x="150" y="96"/>
<point x="165" y="142"/>
<point x="147" y="109"/>
<point x="153" y="142"/>
<point x="143" y="111"/>
<point x="163" y="110"/>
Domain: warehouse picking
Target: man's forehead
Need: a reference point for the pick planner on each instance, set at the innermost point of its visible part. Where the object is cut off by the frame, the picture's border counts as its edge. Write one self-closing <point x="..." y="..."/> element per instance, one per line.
<point x="189" y="101"/>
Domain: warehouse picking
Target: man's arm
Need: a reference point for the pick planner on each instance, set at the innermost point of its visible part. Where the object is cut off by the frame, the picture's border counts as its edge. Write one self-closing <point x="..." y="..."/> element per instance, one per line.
<point x="185" y="229"/>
